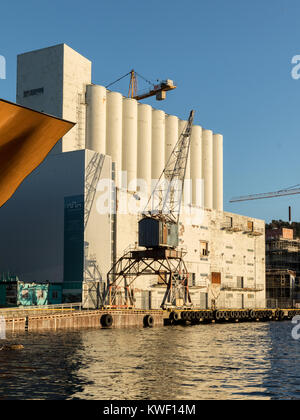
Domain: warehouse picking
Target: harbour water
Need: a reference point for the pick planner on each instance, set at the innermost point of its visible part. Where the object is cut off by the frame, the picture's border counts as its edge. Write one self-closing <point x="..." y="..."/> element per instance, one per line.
<point x="222" y="361"/>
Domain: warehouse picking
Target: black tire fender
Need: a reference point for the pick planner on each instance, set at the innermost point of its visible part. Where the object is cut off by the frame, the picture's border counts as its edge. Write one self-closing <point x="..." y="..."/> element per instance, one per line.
<point x="148" y="321"/>
<point x="106" y="320"/>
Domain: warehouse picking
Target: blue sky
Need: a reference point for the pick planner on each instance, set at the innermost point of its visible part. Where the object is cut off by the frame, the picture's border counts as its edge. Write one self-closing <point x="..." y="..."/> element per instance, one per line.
<point x="230" y="59"/>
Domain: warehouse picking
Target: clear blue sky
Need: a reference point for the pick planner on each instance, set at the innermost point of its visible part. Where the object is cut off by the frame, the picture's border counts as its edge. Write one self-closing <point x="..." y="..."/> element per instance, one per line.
<point x="230" y="59"/>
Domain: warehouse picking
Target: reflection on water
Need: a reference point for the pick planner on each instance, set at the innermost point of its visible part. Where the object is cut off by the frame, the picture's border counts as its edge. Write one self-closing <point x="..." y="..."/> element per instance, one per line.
<point x="236" y="361"/>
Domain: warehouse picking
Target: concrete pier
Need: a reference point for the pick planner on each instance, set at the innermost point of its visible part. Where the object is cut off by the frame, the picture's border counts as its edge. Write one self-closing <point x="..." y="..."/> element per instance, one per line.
<point x="83" y="319"/>
<point x="126" y="318"/>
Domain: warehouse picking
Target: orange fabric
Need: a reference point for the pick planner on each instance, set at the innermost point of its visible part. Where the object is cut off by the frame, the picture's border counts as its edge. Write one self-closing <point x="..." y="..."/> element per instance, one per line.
<point x="26" y="138"/>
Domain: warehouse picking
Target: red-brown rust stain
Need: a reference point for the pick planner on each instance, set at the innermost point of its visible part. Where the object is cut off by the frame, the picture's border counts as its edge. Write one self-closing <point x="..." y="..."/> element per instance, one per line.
<point x="181" y="230"/>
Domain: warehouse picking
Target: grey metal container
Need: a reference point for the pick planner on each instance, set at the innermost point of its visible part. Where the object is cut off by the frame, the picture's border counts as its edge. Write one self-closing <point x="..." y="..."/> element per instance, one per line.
<point x="155" y="233"/>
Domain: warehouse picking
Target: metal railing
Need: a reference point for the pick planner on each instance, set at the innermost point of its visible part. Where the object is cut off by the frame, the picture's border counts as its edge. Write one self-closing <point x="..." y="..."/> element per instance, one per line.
<point x="21" y="311"/>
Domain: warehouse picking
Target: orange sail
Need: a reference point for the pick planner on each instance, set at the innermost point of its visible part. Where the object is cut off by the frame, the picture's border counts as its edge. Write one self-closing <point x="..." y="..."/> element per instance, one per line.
<point x="26" y="138"/>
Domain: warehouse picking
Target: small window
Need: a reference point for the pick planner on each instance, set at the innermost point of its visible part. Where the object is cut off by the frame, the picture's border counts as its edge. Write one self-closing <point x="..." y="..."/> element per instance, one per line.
<point x="203" y="249"/>
<point x="33" y="92"/>
<point x="250" y="225"/>
<point x="216" y="278"/>
<point x="228" y="221"/>
<point x="240" y="282"/>
<point x="192" y="279"/>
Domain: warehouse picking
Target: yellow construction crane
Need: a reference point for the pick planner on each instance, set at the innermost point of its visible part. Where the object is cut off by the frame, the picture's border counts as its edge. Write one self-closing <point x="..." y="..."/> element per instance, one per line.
<point x="159" y="90"/>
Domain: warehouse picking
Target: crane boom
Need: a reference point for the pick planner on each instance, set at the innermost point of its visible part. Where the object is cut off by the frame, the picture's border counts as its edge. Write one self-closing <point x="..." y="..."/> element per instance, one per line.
<point x="159" y="90"/>
<point x="279" y="193"/>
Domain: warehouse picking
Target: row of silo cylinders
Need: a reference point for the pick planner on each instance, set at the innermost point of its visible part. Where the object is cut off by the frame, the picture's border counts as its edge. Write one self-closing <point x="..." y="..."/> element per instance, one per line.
<point x="140" y="140"/>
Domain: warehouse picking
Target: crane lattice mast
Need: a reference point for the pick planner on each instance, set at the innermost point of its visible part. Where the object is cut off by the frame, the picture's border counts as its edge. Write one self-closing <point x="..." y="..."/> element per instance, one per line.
<point x="166" y="197"/>
<point x="158" y="233"/>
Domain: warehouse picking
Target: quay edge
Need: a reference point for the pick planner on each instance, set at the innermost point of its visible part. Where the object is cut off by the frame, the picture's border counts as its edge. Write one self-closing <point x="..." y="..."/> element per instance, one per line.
<point x="127" y="318"/>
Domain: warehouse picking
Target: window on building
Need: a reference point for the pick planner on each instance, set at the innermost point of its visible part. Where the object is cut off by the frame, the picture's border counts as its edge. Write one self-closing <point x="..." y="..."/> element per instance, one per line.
<point x="192" y="279"/>
<point x="33" y="92"/>
<point x="216" y="278"/>
<point x="240" y="282"/>
<point x="204" y="249"/>
<point x="250" y="225"/>
<point x="228" y="221"/>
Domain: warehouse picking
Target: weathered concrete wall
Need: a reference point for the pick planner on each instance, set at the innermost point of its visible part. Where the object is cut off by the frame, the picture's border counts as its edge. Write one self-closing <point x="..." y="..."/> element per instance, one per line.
<point x="233" y="252"/>
<point x="53" y="80"/>
<point x="83" y="319"/>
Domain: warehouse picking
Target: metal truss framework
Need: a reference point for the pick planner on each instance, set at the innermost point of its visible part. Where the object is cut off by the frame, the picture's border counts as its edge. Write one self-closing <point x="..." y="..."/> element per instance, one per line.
<point x="165" y="200"/>
<point x="167" y="264"/>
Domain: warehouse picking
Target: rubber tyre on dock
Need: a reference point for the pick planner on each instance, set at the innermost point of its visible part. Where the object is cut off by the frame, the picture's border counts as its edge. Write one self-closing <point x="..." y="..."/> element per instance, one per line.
<point x="198" y="316"/>
<point x="174" y="316"/>
<point x="184" y="315"/>
<point x="218" y="315"/>
<point x="188" y="316"/>
<point x="106" y="320"/>
<point x="148" y="321"/>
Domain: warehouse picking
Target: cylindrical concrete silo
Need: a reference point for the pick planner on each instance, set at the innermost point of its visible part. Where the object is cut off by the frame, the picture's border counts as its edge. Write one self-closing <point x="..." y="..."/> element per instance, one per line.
<point x="158" y="143"/>
<point x="96" y="118"/>
<point x="114" y="113"/>
<point x="129" y="150"/>
<point x="196" y="165"/>
<point x="187" y="182"/>
<point x="144" y="145"/>
<point x="181" y="127"/>
<point x="218" y="172"/>
<point x="207" y="167"/>
<point x="171" y="136"/>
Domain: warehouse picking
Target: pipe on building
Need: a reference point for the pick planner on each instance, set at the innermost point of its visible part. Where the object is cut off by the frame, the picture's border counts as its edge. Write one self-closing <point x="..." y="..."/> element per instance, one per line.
<point x="144" y="145"/>
<point x="129" y="151"/>
<point x="207" y="167"/>
<point x="114" y="131"/>
<point x="218" y="172"/>
<point x="96" y="118"/>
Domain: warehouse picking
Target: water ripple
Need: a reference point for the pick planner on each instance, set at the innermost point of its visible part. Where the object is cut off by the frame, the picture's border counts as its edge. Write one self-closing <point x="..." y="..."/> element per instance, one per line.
<point x="230" y="361"/>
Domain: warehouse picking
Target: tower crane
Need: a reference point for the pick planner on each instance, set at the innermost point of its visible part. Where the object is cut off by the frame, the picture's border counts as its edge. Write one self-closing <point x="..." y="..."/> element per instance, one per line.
<point x="287" y="191"/>
<point x="158" y="235"/>
<point x="159" y="90"/>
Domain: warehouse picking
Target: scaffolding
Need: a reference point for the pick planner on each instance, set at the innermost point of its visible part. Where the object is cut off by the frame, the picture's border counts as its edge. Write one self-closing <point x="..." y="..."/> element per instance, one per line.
<point x="282" y="272"/>
<point x="283" y="254"/>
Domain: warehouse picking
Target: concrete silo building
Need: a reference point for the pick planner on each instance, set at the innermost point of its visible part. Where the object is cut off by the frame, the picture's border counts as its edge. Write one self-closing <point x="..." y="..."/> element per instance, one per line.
<point x="64" y="232"/>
